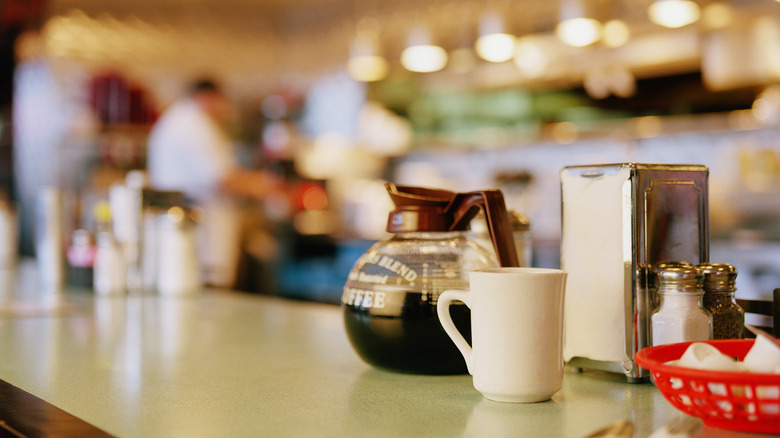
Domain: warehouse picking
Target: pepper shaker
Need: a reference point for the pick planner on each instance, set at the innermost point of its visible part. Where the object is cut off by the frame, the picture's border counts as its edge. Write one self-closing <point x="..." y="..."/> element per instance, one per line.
<point x="680" y="316"/>
<point x="728" y="319"/>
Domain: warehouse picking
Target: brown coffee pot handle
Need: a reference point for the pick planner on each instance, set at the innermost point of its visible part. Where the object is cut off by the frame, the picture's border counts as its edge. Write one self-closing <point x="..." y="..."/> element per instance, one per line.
<point x="466" y="205"/>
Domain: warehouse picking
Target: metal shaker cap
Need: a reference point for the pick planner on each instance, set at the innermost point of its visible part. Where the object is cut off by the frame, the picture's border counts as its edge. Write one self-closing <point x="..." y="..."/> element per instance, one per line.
<point x="719" y="277"/>
<point x="176" y="218"/>
<point x="680" y="279"/>
<point x="660" y="266"/>
<point x="519" y="221"/>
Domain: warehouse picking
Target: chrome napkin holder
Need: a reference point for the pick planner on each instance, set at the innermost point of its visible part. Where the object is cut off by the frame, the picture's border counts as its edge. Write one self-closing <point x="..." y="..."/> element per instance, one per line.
<point x="618" y="220"/>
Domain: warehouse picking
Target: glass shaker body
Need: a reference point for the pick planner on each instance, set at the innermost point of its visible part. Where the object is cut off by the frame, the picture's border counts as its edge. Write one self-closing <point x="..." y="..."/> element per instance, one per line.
<point x="178" y="269"/>
<point x="728" y="319"/>
<point x="680" y="316"/>
<point x="110" y="268"/>
<point x="521" y="234"/>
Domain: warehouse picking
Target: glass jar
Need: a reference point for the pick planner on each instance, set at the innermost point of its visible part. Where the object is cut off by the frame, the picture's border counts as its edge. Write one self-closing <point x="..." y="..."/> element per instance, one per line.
<point x="680" y="316"/>
<point x="521" y="233"/>
<point x="655" y="299"/>
<point x="177" y="256"/>
<point x="391" y="293"/>
<point x="728" y="319"/>
<point x="390" y="300"/>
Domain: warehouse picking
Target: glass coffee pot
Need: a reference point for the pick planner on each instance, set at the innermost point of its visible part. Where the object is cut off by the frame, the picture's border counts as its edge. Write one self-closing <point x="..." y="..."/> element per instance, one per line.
<point x="389" y="299"/>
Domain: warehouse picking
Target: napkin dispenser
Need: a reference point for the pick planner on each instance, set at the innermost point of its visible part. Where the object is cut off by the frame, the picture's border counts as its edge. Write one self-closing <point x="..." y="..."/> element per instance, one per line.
<point x="618" y="220"/>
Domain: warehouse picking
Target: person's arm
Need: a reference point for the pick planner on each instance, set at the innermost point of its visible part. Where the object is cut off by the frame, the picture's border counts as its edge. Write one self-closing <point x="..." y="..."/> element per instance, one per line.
<point x="256" y="184"/>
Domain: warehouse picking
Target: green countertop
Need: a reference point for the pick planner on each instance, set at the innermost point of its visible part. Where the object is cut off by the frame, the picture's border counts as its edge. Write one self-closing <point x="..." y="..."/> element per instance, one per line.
<point x="231" y="364"/>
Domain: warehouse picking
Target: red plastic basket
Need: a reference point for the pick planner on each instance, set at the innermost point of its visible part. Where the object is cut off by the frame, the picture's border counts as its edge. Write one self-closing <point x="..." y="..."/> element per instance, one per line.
<point x="743" y="401"/>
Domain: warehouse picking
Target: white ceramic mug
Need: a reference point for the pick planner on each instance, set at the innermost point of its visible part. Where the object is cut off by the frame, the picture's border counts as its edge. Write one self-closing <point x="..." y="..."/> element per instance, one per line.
<point x="517" y="332"/>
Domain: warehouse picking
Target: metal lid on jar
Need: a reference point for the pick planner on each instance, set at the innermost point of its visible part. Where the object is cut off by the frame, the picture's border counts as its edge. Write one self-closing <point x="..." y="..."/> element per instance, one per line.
<point x="519" y="221"/>
<point x="659" y="266"/>
<point x="176" y="218"/>
<point x="680" y="279"/>
<point x="719" y="277"/>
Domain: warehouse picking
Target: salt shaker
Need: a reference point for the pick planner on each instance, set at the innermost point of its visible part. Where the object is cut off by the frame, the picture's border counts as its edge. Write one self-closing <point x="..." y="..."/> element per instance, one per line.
<point x="178" y="273"/>
<point x="521" y="234"/>
<point x="48" y="239"/>
<point x="680" y="316"/>
<point x="658" y="267"/>
<point x="720" y="286"/>
<point x="109" y="271"/>
<point x="521" y="231"/>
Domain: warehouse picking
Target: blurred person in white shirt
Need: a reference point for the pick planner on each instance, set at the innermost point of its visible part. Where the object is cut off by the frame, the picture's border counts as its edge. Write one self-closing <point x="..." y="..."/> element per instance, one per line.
<point x="189" y="151"/>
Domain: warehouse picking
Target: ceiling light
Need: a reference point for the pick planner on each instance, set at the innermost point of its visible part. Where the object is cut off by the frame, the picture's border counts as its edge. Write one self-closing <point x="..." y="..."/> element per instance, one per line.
<point x="673" y="13"/>
<point x="365" y="64"/>
<point x="576" y="27"/>
<point x="494" y="44"/>
<point x="579" y="32"/>
<point x="497" y="47"/>
<point x="421" y="55"/>
<point x="368" y="68"/>
<point x="531" y="57"/>
<point x="766" y="108"/>
<point x="616" y="33"/>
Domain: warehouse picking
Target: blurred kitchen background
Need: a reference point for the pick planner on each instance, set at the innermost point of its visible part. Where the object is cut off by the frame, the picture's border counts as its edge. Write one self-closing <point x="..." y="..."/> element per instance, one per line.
<point x="328" y="95"/>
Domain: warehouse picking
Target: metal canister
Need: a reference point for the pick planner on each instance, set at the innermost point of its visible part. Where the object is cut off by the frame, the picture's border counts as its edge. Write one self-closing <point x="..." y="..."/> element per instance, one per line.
<point x="521" y="234"/>
<point x="178" y="270"/>
<point x="110" y="268"/>
<point x="619" y="220"/>
<point x="49" y="248"/>
<point x="720" y="287"/>
<point x="155" y="204"/>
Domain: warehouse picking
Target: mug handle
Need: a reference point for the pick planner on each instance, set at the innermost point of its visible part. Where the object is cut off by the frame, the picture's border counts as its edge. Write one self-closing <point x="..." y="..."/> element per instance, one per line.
<point x="443" y="310"/>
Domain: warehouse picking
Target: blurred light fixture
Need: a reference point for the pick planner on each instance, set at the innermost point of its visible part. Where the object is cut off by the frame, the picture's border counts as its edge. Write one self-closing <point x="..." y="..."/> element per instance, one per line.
<point x="623" y="82"/>
<point x="616" y="33"/>
<point x="766" y="107"/>
<point x="532" y="57"/>
<point x="365" y="64"/>
<point x="577" y="27"/>
<point x="368" y="68"/>
<point x="596" y="85"/>
<point x="494" y="44"/>
<point x="616" y="80"/>
<point x="674" y="13"/>
<point x="420" y="55"/>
